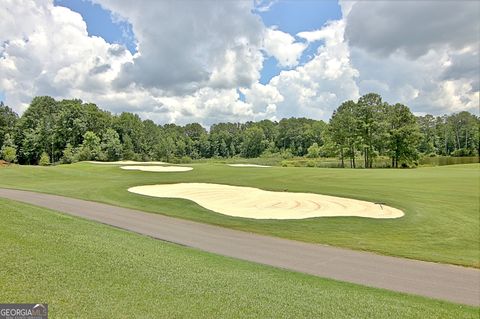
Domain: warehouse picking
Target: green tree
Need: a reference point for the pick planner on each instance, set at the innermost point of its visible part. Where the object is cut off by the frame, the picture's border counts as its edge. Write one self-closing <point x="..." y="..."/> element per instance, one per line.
<point x="9" y="154"/>
<point x="344" y="131"/>
<point x="370" y="115"/>
<point x="68" y="154"/>
<point x="254" y="142"/>
<point x="428" y="142"/>
<point x="8" y="151"/>
<point x="90" y="149"/>
<point x="35" y="131"/>
<point x="404" y="135"/>
<point x="313" y="151"/>
<point x="8" y="120"/>
<point x="111" y="146"/>
<point x="44" y="159"/>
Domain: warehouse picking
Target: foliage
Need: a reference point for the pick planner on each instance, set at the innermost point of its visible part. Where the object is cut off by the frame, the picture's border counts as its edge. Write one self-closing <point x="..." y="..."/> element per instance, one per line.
<point x="8" y="120"/>
<point x="253" y="142"/>
<point x="111" y="145"/>
<point x="68" y="155"/>
<point x="90" y="149"/>
<point x="359" y="133"/>
<point x="313" y="151"/>
<point x="9" y="153"/>
<point x="44" y="159"/>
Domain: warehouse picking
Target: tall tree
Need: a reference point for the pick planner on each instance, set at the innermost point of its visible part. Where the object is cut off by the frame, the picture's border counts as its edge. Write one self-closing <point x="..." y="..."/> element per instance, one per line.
<point x="254" y="142"/>
<point x="111" y="146"/>
<point x="8" y="120"/>
<point x="370" y="114"/>
<point x="344" y="131"/>
<point x="404" y="135"/>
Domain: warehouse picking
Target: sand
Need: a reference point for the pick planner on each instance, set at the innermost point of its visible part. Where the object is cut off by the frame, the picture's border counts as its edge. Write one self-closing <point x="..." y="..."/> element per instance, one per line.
<point x="152" y="168"/>
<point x="249" y="202"/>
<point x="127" y="163"/>
<point x="247" y="165"/>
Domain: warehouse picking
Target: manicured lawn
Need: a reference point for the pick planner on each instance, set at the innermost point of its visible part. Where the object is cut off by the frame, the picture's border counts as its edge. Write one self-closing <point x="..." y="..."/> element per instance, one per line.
<point x="441" y="203"/>
<point x="84" y="269"/>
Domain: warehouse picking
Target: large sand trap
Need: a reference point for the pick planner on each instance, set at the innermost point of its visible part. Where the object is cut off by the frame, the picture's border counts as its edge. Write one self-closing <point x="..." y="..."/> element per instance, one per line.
<point x="126" y="163"/>
<point x="151" y="168"/>
<point x="247" y="165"/>
<point x="255" y="203"/>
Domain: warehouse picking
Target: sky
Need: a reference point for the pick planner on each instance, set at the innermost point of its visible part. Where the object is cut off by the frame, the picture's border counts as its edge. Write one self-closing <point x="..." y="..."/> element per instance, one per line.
<point x="209" y="61"/>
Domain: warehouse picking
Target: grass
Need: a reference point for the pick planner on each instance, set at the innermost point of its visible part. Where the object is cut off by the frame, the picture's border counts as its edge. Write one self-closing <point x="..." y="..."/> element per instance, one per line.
<point x="84" y="269"/>
<point x="441" y="203"/>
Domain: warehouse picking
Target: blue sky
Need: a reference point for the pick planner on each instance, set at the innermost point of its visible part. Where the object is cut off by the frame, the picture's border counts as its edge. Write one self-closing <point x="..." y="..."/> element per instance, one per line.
<point x="100" y="22"/>
<point x="294" y="17"/>
<point x="288" y="16"/>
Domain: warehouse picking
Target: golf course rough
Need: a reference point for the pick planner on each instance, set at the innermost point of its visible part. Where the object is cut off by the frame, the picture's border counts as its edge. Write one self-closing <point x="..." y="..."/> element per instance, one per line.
<point x="250" y="202"/>
<point x="150" y="168"/>
<point x="247" y="165"/>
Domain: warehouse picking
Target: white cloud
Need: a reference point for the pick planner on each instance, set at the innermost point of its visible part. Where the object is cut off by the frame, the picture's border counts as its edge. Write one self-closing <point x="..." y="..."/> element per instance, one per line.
<point x="283" y="47"/>
<point x="264" y="5"/>
<point x="55" y="57"/>
<point x="194" y="56"/>
<point x="413" y="27"/>
<point x="320" y="85"/>
<point x="421" y="54"/>
<point x="185" y="46"/>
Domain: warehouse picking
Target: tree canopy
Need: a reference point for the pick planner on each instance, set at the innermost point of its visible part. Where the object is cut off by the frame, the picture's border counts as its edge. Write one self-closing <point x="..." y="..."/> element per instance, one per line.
<point x="358" y="133"/>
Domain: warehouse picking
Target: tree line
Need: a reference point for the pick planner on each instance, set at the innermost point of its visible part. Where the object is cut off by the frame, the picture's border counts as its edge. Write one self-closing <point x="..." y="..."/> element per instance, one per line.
<point x="358" y="133"/>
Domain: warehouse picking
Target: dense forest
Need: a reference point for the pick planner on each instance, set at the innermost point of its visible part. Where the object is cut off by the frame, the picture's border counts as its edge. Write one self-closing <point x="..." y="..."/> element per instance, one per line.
<point x="358" y="133"/>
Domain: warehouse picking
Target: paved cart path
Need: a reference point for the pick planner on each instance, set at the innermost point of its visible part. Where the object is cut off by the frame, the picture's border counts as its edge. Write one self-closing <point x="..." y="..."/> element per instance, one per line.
<point x="446" y="282"/>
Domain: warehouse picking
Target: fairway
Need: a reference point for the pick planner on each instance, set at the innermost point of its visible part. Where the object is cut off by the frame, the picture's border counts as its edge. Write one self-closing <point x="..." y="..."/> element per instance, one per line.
<point x="93" y="271"/>
<point x="440" y="203"/>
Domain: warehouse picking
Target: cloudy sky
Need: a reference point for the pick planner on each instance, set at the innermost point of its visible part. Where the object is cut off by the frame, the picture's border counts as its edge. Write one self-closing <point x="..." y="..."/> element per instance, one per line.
<point x="209" y="61"/>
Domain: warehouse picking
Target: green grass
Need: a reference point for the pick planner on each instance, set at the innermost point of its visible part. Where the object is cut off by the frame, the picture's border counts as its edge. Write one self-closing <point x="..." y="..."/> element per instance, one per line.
<point x="84" y="269"/>
<point x="441" y="203"/>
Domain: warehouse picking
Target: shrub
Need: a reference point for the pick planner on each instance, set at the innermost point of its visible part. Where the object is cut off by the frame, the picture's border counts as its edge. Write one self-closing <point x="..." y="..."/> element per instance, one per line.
<point x="461" y="152"/>
<point x="286" y="154"/>
<point x="185" y="160"/>
<point x="310" y="163"/>
<point x="44" y="159"/>
<point x="313" y="151"/>
<point x="9" y="154"/>
<point x="68" y="155"/>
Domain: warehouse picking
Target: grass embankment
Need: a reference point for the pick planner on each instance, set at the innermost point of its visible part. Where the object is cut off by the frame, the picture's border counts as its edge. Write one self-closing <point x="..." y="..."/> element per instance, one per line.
<point x="84" y="269"/>
<point x="441" y="203"/>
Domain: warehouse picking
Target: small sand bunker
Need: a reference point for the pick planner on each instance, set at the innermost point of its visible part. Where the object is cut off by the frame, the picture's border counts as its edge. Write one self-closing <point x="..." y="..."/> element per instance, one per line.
<point x="127" y="163"/>
<point x="255" y="203"/>
<point x="247" y="165"/>
<point x="151" y="168"/>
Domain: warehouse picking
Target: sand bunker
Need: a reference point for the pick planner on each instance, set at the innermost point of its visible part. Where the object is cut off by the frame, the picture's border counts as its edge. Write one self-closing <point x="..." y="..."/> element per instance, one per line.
<point x="247" y="165"/>
<point x="127" y="163"/>
<point x="151" y="168"/>
<point x="255" y="203"/>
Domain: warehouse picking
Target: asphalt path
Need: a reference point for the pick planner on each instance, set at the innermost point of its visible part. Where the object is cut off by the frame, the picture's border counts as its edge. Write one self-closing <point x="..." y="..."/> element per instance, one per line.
<point x="446" y="282"/>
